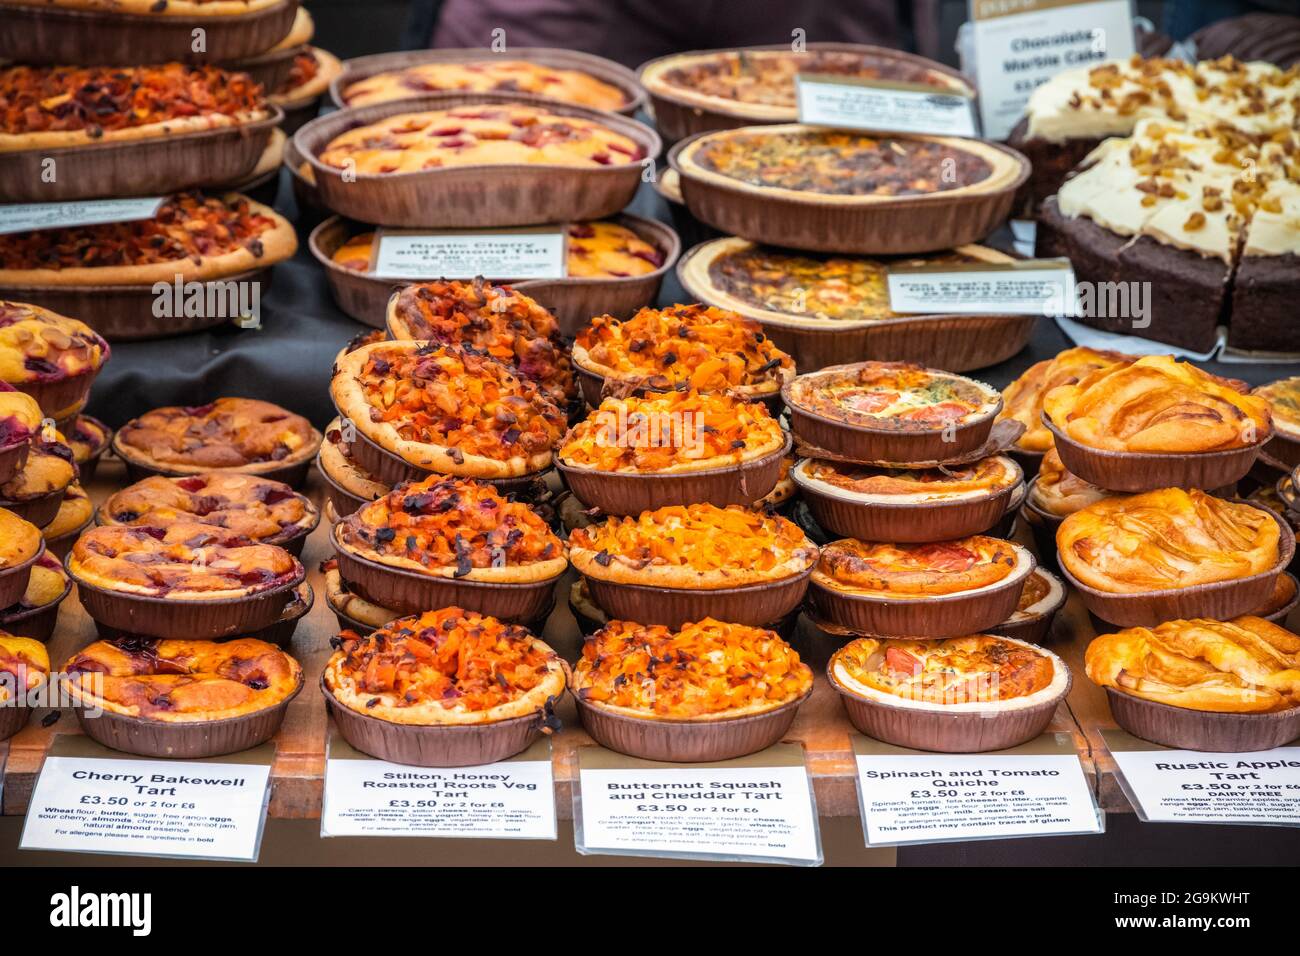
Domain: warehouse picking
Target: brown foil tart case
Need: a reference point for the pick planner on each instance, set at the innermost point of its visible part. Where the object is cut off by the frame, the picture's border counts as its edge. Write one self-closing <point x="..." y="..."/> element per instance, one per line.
<point x="1184" y="729"/>
<point x="756" y="605"/>
<point x="68" y="391"/>
<point x="13" y="718"/>
<point x="1035" y="628"/>
<point x="35" y="622"/>
<point x="280" y="632"/>
<point x="13" y="580"/>
<point x="1279" y="607"/>
<point x="13" y="458"/>
<point x="60" y="546"/>
<point x="40" y="510"/>
<point x="589" y="625"/>
<point x="477" y="196"/>
<point x="391" y="469"/>
<point x="344" y="501"/>
<point x="293" y="472"/>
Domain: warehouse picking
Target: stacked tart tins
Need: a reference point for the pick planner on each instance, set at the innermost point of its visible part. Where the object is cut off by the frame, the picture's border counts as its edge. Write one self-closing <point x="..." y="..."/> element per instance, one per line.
<point x="25" y="667"/>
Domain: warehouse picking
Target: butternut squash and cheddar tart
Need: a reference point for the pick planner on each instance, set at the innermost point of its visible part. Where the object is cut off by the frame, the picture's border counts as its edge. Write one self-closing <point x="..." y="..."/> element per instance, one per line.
<point x="684" y="347"/>
<point x="1023" y="399"/>
<point x="494" y="319"/>
<point x="915" y="572"/>
<point x="448" y="666"/>
<point x="489" y="75"/>
<point x="447" y="409"/>
<point x="704" y="671"/>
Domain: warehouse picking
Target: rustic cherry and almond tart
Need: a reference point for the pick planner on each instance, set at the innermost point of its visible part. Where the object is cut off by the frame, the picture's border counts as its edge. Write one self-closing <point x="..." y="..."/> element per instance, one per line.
<point x="498" y="73"/>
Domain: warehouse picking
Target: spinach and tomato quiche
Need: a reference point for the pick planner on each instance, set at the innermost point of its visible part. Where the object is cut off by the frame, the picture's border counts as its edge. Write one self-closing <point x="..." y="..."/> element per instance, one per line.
<point x="867" y="484"/>
<point x="1283" y="397"/>
<point x="504" y="74"/>
<point x="915" y="572"/>
<point x="896" y="396"/>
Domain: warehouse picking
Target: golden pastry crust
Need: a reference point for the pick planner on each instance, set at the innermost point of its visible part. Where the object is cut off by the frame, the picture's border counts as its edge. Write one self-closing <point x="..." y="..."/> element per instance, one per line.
<point x="988" y="476"/>
<point x="1243" y="666"/>
<point x="448" y="666"/>
<point x="187" y="562"/>
<point x="1060" y="492"/>
<point x="447" y="409"/>
<point x="182" y="681"/>
<point x="486" y="76"/>
<point x="266" y="511"/>
<point x="920" y="571"/>
<point x="350" y="604"/>
<point x="23" y="663"/>
<point x="699" y="546"/>
<point x="705" y="671"/>
<point x="1165" y="539"/>
<point x="899" y="396"/>
<point x="1022" y="400"/>
<point x="1159" y="405"/>
<point x="671" y="432"/>
<point x="39" y="346"/>
<point x="1283" y="397"/>
<point x="75" y="512"/>
<point x="230" y="434"/>
<point x="481" y="135"/>
<point x="683" y="347"/>
<point x="49" y="468"/>
<point x="87" y="437"/>
<point x="19" y="540"/>
<point x="20" y="417"/>
<point x="343" y="471"/>
<point x="450" y="528"/>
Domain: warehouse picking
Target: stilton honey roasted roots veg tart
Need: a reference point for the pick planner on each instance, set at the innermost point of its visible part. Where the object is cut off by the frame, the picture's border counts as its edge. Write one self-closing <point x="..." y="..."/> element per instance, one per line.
<point x="943" y="589"/>
<point x="446" y="688"/>
<point x="420" y="407"/>
<point x="443" y="542"/>
<point x="474" y="160"/>
<point x="127" y="131"/>
<point x="24" y="667"/>
<point x="1167" y="554"/>
<point x="181" y="698"/>
<point x="669" y="448"/>
<point x="184" y="578"/>
<point x="688" y="562"/>
<point x="965" y="694"/>
<point x="825" y="190"/>
<point x="699" y="691"/>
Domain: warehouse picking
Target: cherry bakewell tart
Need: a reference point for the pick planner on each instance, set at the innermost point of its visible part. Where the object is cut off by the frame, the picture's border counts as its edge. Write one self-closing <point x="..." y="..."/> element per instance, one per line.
<point x="348" y="485"/>
<point x="49" y="356"/>
<point x="636" y="454"/>
<point x="184" y="578"/>
<point x="687" y="562"/>
<point x="76" y="512"/>
<point x="37" y="611"/>
<point x="37" y="490"/>
<point x="181" y="698"/>
<point x="942" y="589"/>
<point x="20" y="548"/>
<point x="88" y="438"/>
<point x="707" y="690"/>
<point x="20" y="422"/>
<point x="966" y="694"/>
<point x="445" y="688"/>
<point x="446" y="541"/>
<point x="419" y="407"/>
<point x="493" y="319"/>
<point x="265" y="511"/>
<point x="229" y="434"/>
<point x="24" y="667"/>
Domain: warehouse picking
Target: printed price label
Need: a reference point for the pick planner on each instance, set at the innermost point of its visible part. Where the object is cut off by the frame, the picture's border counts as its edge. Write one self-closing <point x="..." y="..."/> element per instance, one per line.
<point x="759" y="807"/>
<point x="89" y="799"/>
<point x="1028" y="287"/>
<point x="894" y="108"/>
<point x="31" y="217"/>
<point x="1038" y="789"/>
<point x="513" y="799"/>
<point x="495" y="254"/>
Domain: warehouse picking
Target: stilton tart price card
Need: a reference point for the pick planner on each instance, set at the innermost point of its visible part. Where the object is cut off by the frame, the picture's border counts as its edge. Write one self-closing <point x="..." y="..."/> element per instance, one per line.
<point x="1036" y="789"/>
<point x="89" y="799"/>
<point x="1188" y="786"/>
<point x="758" y="808"/>
<point x="1025" y="287"/>
<point x="855" y="103"/>
<point x="526" y="253"/>
<point x="33" y="216"/>
<point x="513" y="799"/>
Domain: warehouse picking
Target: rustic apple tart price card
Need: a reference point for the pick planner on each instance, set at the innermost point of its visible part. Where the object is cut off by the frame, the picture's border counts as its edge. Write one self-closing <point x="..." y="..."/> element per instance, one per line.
<point x="1036" y="789"/>
<point x="510" y="800"/>
<point x="539" y="252"/>
<point x="89" y="799"/>
<point x="33" y="216"/>
<point x="758" y="808"/>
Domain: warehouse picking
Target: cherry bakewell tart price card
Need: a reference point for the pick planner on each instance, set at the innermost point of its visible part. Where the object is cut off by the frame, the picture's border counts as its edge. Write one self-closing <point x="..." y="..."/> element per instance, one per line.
<point x="883" y="106"/>
<point x="33" y="216"/>
<point x="539" y="252"/>
<point x="1036" y="789"/>
<point x="1189" y="786"/>
<point x="1025" y="287"/>
<point x="89" y="799"/>
<point x="510" y="800"/>
<point x="758" y="808"/>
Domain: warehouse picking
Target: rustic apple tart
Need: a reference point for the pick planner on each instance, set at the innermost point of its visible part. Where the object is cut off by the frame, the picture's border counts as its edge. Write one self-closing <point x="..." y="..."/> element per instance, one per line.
<point x="1022" y="400"/>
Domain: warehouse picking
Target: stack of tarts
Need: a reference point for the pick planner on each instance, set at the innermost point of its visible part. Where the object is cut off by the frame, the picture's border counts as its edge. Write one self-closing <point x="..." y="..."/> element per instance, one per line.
<point x="24" y="669"/>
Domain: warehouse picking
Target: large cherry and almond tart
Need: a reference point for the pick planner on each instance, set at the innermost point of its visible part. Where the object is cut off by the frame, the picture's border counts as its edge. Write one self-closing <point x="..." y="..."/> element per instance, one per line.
<point x="702" y="690"/>
<point x="37" y="491"/>
<point x="636" y="454"/>
<point x="348" y="485"/>
<point x="1283" y="397"/>
<point x="20" y="422"/>
<point x="1229" y="686"/>
<point x="181" y="698"/>
<point x="968" y="694"/>
<point x="447" y="541"/>
<point x="184" y="578"/>
<point x="678" y="348"/>
<point x="445" y="688"/>
<point x="507" y="325"/>
<point x="908" y="505"/>
<point x="1171" y="553"/>
<point x="24" y="667"/>
<point x="21" y="546"/>
<point x="241" y="435"/>
<point x="49" y="356"/>
<point x="942" y="589"/>
<point x="269" y="512"/>
<point x="420" y="407"/>
<point x="37" y="611"/>
<point x="1157" y="422"/>
<point x="891" y="412"/>
<point x="687" y="562"/>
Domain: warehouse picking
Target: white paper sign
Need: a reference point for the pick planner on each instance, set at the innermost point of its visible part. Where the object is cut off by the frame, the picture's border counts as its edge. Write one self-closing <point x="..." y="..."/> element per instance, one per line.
<point x="31" y="217"/>
<point x="193" y="809"/>
<point x="497" y="254"/>
<point x="1021" y="44"/>
<point x="514" y="799"/>
<point x="1031" y="287"/>
<point x="737" y="810"/>
<point x="933" y="798"/>
<point x="826" y="101"/>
